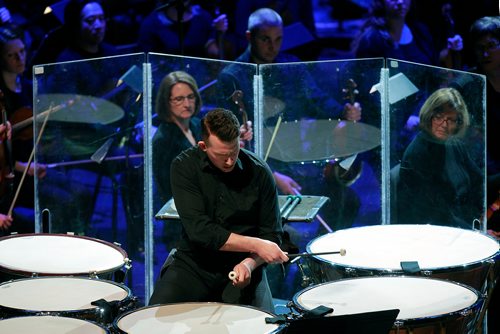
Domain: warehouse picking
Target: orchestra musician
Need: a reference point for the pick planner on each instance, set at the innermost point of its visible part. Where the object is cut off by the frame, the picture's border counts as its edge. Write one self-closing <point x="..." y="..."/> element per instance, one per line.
<point x="227" y="201"/>
<point x="16" y="92"/>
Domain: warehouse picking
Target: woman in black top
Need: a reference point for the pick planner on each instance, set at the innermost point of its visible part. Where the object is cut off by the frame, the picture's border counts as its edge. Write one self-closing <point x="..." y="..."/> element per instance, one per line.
<point x="439" y="183"/>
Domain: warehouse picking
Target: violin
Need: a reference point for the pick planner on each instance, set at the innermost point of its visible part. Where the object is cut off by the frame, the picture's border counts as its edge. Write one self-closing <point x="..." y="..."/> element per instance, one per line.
<point x="6" y="161"/>
<point x="333" y="170"/>
<point x="22" y="123"/>
<point x="22" y="120"/>
<point x="237" y="98"/>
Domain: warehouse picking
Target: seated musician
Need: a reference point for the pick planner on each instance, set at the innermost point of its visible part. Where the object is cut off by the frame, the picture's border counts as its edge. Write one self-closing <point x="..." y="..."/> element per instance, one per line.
<point x="439" y="183"/>
<point x="227" y="200"/>
<point x="16" y="98"/>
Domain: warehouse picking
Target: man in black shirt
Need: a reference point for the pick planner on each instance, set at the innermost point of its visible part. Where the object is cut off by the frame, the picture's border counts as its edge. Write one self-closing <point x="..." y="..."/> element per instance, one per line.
<point x="227" y="201"/>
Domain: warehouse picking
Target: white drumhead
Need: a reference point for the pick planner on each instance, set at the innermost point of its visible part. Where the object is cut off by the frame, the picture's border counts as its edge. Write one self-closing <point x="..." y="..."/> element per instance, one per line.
<point x="58" y="293"/>
<point x="58" y="254"/>
<point x="48" y="325"/>
<point x="386" y="246"/>
<point x="207" y="318"/>
<point x="414" y="297"/>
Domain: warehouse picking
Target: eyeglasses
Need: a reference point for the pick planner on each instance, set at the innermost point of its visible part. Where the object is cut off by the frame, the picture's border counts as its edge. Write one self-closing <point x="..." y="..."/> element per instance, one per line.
<point x="180" y="99"/>
<point x="440" y="119"/>
<point x="91" y="20"/>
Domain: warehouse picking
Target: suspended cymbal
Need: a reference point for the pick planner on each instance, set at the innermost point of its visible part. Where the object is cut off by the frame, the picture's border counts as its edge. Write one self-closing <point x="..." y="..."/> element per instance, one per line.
<point x="272" y="106"/>
<point x="320" y="140"/>
<point x="79" y="108"/>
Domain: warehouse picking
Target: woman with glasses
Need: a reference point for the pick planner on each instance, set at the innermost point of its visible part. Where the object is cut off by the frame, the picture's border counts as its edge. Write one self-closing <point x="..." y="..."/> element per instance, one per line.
<point x="439" y="183"/>
<point x="177" y="103"/>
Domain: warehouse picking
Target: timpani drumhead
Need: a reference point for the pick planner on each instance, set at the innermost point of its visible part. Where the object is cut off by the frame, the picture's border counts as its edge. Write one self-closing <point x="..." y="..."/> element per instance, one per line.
<point x="49" y="325"/>
<point x="384" y="247"/>
<point x="415" y="297"/>
<point x="61" y="294"/>
<point x="58" y="254"/>
<point x="206" y="318"/>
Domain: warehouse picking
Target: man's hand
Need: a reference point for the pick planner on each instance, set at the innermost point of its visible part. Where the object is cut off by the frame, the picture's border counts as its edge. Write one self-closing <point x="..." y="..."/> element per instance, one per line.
<point x="352" y="112"/>
<point x="455" y="43"/>
<point x="5" y="222"/>
<point x="286" y="184"/>
<point x="5" y="131"/>
<point x="220" y="23"/>
<point x="270" y="252"/>
<point x="494" y="234"/>
<point x="246" y="133"/>
<point x="242" y="274"/>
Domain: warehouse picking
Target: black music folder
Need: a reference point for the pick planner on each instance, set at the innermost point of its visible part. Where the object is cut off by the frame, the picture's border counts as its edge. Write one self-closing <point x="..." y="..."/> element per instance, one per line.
<point x="378" y="322"/>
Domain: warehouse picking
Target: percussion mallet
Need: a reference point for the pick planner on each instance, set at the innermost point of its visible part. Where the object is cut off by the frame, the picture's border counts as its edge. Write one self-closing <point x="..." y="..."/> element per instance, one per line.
<point x="232" y="275"/>
<point x="296" y="200"/>
<point x="297" y="256"/>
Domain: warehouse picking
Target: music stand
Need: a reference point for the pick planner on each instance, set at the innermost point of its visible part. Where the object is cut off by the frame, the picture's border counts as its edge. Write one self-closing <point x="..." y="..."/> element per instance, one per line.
<point x="378" y="322"/>
<point x="303" y="212"/>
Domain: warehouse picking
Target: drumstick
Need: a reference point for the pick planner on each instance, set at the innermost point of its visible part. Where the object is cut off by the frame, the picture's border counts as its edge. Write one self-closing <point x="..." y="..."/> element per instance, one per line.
<point x="233" y="275"/>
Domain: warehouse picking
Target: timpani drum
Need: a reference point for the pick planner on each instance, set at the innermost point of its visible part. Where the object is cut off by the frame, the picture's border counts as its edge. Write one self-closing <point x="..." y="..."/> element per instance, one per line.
<point x="207" y="318"/>
<point x="28" y="255"/>
<point x="459" y="255"/>
<point x="426" y="305"/>
<point x="65" y="296"/>
<point x="49" y="325"/>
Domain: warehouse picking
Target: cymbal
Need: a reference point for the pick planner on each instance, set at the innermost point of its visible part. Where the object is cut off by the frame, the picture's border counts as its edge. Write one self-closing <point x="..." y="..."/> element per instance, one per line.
<point x="272" y="106"/>
<point x="79" y="108"/>
<point x="320" y="140"/>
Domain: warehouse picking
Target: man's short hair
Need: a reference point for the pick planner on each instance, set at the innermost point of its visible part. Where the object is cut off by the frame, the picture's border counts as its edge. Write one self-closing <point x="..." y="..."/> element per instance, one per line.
<point x="221" y="123"/>
<point x="264" y="17"/>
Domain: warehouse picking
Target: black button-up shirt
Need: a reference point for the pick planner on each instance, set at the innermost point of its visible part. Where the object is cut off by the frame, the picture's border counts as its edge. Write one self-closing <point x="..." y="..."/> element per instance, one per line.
<point x="213" y="204"/>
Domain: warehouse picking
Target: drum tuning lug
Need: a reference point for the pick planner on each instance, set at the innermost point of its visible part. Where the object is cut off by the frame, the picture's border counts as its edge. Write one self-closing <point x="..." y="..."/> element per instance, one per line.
<point x="306" y="281"/>
<point x="34" y="275"/>
<point x="351" y="272"/>
<point x="117" y="244"/>
<point x="93" y="275"/>
<point x="466" y="312"/>
<point x="48" y="313"/>
<point x="427" y="273"/>
<point x="398" y="324"/>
